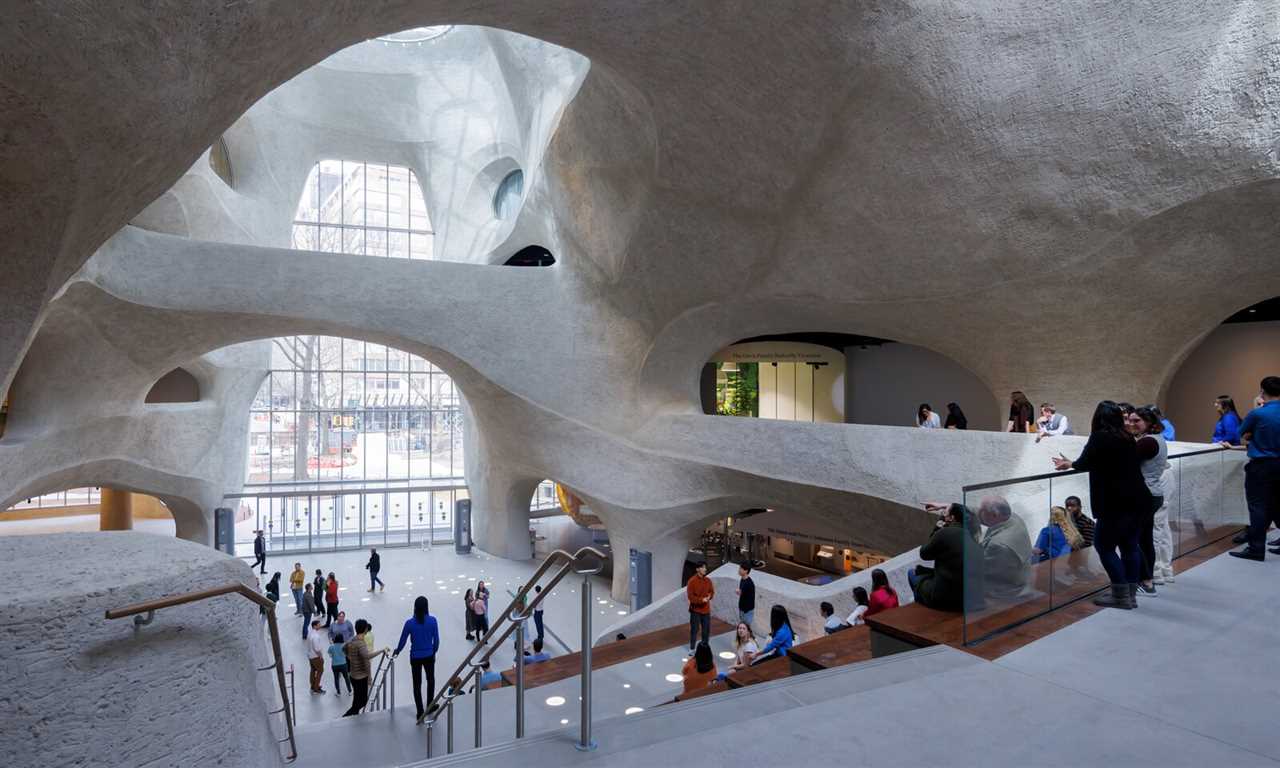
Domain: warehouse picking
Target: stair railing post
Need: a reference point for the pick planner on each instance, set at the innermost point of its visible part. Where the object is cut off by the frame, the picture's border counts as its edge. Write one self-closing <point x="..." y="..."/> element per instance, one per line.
<point x="585" y="743"/>
<point x="519" y="619"/>
<point x="449" y="728"/>
<point x="479" y="707"/>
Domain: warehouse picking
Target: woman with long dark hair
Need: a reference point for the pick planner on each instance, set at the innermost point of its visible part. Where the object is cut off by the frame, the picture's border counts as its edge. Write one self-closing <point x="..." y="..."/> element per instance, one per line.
<point x="1227" y="430"/>
<point x="1153" y="455"/>
<point x="424" y="633"/>
<point x="883" y="596"/>
<point x="926" y="418"/>
<point x="700" y="669"/>
<point x="471" y="617"/>
<point x="1021" y="412"/>
<point x="781" y="636"/>
<point x="955" y="417"/>
<point x="1118" y="496"/>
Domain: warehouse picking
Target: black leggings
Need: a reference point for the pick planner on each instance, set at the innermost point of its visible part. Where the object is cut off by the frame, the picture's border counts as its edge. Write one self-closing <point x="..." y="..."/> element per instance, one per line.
<point x="417" y="665"/>
<point x="360" y="686"/>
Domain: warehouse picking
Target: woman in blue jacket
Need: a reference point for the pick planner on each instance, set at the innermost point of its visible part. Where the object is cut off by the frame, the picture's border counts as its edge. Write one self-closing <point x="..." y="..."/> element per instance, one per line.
<point x="422" y="630"/>
<point x="1227" y="430"/>
<point x="781" y="635"/>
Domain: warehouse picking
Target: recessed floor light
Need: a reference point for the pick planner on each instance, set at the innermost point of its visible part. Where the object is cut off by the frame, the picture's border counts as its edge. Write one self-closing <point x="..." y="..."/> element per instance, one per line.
<point x="632" y="710"/>
<point x="647" y="663"/>
<point x="564" y="721"/>
<point x="674" y="678"/>
<point x="555" y="701"/>
<point x="727" y="655"/>
<point x="626" y="685"/>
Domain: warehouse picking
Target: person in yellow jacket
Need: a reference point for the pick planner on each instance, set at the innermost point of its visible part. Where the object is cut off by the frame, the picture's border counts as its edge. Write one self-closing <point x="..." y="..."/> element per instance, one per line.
<point x="296" y="580"/>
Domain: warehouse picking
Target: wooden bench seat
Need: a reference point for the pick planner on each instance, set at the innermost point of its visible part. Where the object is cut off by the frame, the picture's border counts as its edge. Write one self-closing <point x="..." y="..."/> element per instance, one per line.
<point x="715" y="687"/>
<point x="608" y="654"/>
<point x="773" y="669"/>
<point x="848" y="646"/>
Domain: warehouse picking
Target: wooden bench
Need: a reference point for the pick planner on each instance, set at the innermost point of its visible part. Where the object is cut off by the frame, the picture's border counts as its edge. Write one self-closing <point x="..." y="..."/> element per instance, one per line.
<point x="773" y="669"/>
<point x="608" y="654"/>
<point x="715" y="687"/>
<point x="848" y="646"/>
<point x="913" y="626"/>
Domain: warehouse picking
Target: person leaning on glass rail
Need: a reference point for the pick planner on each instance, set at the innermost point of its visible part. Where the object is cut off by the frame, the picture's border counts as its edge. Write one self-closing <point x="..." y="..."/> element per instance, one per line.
<point x="1260" y="431"/>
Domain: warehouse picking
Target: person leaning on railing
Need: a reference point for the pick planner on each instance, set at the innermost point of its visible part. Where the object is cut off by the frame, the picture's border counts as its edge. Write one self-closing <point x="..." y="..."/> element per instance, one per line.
<point x="359" y="659"/>
<point x="1261" y="433"/>
<point x="421" y="628"/>
<point x="1117" y="495"/>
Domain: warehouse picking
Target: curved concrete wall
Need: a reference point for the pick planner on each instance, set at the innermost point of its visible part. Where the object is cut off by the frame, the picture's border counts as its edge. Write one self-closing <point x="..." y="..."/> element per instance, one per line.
<point x="86" y="691"/>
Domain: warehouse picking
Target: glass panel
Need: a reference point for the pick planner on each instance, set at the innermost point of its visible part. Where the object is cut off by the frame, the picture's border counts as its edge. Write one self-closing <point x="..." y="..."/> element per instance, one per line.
<point x="1005" y="582"/>
<point x="398" y="518"/>
<point x="330" y="240"/>
<point x="375" y="519"/>
<point x="330" y="191"/>
<point x="398" y="245"/>
<point x="353" y="195"/>
<point x="421" y="246"/>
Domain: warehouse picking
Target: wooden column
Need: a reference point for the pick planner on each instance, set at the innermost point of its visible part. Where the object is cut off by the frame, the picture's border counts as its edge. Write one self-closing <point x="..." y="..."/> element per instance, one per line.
<point x="116" y="511"/>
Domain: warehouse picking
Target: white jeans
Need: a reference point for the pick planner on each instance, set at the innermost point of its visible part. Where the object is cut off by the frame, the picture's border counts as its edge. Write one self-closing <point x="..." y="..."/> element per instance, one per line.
<point x="1162" y="539"/>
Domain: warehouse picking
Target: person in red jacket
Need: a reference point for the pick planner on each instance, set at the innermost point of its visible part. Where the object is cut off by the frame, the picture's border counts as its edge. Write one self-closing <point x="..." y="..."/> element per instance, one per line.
<point x="331" y="599"/>
<point x="699" y="590"/>
<point x="883" y="596"/>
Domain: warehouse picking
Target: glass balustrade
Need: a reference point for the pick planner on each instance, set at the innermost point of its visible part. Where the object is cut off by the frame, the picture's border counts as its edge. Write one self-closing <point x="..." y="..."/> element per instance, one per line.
<point x="1033" y="556"/>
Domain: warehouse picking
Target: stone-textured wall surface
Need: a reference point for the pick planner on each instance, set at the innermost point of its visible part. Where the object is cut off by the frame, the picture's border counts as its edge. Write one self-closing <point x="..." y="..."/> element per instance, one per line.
<point x="81" y="690"/>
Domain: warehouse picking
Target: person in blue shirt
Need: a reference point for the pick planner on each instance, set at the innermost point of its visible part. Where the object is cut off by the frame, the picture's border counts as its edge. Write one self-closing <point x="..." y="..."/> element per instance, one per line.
<point x="425" y="634"/>
<point x="781" y="636"/>
<point x="488" y="677"/>
<point x="338" y="658"/>
<point x="538" y="654"/>
<point x="1227" y="430"/>
<point x="1261" y="432"/>
<point x="1168" y="432"/>
<point x="1057" y="538"/>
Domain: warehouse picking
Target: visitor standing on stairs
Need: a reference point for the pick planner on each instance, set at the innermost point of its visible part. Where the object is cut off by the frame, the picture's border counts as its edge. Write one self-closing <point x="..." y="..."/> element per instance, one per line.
<point x="374" y="565"/>
<point x="1153" y="455"/>
<point x="1117" y="496"/>
<point x="700" y="591"/>
<point x="421" y="629"/>
<point x="359" y="661"/>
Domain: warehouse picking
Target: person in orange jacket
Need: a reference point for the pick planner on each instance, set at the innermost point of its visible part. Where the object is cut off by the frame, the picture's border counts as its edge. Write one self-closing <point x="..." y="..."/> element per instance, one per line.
<point x="699" y="590"/>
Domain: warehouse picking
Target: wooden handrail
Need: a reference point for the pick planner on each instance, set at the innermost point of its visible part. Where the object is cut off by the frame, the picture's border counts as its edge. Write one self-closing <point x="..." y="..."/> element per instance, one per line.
<point x="269" y="608"/>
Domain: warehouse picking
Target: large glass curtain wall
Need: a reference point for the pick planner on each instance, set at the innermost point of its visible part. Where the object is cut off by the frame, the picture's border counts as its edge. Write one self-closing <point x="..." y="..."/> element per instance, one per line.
<point x="303" y="521"/>
<point x="366" y="209"/>
<point x="341" y="410"/>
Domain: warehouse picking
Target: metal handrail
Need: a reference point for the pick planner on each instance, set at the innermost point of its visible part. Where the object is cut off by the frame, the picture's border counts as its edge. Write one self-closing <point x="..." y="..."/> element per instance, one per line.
<point x="468" y="668"/>
<point x="378" y="684"/>
<point x="269" y="608"/>
<point x="1068" y="472"/>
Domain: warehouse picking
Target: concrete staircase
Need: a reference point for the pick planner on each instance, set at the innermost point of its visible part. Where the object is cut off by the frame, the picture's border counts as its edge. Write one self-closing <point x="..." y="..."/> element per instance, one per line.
<point x="392" y="739"/>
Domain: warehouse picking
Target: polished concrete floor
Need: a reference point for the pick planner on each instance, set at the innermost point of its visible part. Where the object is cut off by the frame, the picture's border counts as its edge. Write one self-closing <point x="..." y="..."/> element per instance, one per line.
<point x="1181" y="681"/>
<point x="443" y="577"/>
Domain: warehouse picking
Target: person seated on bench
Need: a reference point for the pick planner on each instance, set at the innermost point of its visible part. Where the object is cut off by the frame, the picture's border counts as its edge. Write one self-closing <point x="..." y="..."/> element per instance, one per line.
<point x="951" y="546"/>
<point x="744" y="647"/>
<point x="883" y="596"/>
<point x="1006" y="549"/>
<point x="782" y="637"/>
<point x="699" y="669"/>
<point x="833" y="622"/>
<point x="860" y="604"/>
<point x="1056" y="539"/>
<point x="488" y="677"/>
<point x="538" y="654"/>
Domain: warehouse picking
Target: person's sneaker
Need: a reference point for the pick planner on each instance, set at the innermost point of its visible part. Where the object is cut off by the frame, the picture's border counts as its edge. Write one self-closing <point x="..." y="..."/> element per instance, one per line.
<point x="1158" y="579"/>
<point x="1274" y="550"/>
<point x="1146" y="591"/>
<point x="1249" y="554"/>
